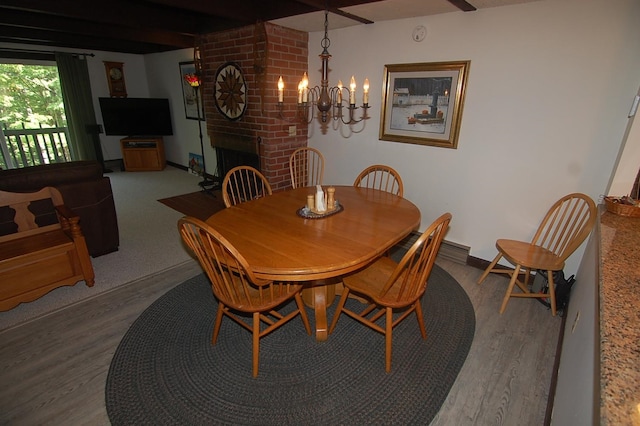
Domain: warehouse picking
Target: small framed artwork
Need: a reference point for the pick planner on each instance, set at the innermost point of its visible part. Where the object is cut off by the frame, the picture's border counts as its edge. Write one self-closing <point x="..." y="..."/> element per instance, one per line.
<point x="195" y="164"/>
<point x="189" y="94"/>
<point x="423" y="103"/>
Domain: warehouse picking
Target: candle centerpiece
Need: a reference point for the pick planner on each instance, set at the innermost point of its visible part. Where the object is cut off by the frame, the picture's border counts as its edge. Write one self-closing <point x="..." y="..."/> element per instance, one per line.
<point x="321" y="203"/>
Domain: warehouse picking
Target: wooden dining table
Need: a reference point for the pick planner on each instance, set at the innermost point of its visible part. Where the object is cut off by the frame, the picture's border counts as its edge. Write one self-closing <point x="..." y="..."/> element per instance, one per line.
<point x="281" y="245"/>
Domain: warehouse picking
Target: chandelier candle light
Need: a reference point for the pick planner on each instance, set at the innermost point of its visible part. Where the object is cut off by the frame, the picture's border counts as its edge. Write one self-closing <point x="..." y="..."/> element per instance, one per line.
<point x="327" y="99"/>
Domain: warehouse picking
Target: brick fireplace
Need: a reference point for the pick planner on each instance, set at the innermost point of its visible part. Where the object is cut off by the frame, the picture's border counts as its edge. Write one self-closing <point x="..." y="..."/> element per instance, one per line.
<point x="263" y="52"/>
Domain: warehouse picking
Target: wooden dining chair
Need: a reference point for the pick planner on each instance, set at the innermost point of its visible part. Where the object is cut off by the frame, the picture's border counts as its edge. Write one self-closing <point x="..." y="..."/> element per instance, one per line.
<point x="388" y="286"/>
<point x="244" y="183"/>
<point x="380" y="177"/>
<point x="237" y="288"/>
<point x="306" y="166"/>
<point x="565" y="226"/>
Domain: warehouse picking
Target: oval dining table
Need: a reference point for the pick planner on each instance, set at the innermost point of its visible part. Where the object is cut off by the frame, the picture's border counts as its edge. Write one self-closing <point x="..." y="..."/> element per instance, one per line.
<point x="281" y="245"/>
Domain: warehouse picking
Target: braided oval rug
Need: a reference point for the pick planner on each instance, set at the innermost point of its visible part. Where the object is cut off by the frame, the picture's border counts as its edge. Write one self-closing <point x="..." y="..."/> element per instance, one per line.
<point x="165" y="370"/>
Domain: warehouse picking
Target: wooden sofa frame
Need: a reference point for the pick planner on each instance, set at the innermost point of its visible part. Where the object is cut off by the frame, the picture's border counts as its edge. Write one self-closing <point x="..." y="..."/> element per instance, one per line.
<point x="44" y="252"/>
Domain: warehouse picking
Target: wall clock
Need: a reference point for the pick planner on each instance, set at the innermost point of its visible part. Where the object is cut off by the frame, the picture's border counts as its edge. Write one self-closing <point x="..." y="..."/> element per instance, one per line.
<point x="115" y="78"/>
<point x="419" y="33"/>
<point x="230" y="91"/>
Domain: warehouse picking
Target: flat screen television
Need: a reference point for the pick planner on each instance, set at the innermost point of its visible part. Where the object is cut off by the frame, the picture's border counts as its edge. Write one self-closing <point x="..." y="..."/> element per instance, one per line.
<point x="136" y="116"/>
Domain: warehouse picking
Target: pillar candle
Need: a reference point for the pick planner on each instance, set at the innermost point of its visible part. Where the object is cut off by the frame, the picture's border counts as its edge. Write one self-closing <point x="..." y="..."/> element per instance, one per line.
<point x="352" y="91"/>
<point x="280" y="90"/>
<point x="365" y="88"/>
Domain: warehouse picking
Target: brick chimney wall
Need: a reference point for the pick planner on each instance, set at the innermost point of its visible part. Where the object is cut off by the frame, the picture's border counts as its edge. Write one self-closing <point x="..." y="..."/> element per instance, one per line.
<point x="263" y="52"/>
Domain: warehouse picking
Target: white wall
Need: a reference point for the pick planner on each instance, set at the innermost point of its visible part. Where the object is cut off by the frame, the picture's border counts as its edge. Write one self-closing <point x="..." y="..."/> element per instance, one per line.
<point x="163" y="73"/>
<point x="549" y="91"/>
<point x="157" y="76"/>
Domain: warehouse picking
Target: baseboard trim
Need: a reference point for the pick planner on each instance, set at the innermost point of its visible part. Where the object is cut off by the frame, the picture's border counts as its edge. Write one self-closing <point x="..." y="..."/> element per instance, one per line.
<point x="448" y="250"/>
<point x="476" y="262"/>
<point x="177" y="166"/>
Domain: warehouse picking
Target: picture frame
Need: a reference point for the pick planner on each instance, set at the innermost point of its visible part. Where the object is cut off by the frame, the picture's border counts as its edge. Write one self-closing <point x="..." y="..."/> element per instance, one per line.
<point x="422" y="103"/>
<point x="189" y="97"/>
<point x="196" y="164"/>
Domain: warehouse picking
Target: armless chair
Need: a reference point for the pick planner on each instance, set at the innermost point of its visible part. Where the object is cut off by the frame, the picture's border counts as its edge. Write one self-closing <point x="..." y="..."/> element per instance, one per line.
<point x="236" y="287"/>
<point x="565" y="226"/>
<point x="244" y="183"/>
<point x="388" y="286"/>
<point x="380" y="177"/>
<point x="306" y="166"/>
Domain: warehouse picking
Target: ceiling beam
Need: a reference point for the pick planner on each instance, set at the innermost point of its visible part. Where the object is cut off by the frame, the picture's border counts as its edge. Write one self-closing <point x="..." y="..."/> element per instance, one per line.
<point x="123" y="14"/>
<point x="61" y="25"/>
<point x="49" y="38"/>
<point x="463" y="5"/>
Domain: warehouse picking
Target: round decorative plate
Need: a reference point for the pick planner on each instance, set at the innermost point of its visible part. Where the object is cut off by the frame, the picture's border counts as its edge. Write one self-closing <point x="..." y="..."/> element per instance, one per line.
<point x="230" y="91"/>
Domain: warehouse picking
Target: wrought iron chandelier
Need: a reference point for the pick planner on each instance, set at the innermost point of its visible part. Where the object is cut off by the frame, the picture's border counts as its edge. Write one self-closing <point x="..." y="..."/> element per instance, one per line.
<point x="327" y="99"/>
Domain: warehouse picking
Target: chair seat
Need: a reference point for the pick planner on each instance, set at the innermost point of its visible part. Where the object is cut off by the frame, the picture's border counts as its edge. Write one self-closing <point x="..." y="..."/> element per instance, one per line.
<point x="253" y="296"/>
<point x="57" y="239"/>
<point x="370" y="281"/>
<point x="525" y="253"/>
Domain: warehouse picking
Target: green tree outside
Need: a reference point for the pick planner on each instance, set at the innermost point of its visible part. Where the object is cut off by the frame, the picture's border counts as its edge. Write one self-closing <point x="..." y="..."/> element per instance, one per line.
<point x="30" y="96"/>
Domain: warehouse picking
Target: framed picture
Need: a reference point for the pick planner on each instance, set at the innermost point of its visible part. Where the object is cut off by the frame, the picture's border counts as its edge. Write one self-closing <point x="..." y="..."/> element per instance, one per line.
<point x="423" y="103"/>
<point x="195" y="164"/>
<point x="190" y="99"/>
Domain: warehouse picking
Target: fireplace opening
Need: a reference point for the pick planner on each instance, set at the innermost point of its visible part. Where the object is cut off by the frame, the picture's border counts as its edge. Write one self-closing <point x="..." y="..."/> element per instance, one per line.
<point x="233" y="151"/>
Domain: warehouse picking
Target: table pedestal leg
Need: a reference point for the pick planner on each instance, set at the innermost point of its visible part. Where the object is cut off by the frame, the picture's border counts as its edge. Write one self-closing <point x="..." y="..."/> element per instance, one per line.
<point x="319" y="295"/>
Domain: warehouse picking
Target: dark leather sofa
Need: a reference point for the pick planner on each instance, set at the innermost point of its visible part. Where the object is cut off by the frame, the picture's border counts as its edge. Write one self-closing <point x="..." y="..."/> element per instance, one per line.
<point x="85" y="190"/>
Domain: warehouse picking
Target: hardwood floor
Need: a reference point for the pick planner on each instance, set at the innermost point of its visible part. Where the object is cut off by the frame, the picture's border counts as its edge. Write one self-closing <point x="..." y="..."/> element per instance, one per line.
<point x="53" y="370"/>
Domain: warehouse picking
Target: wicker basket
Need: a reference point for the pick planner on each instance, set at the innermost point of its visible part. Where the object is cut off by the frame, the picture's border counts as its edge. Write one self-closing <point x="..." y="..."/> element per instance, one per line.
<point x="621" y="209"/>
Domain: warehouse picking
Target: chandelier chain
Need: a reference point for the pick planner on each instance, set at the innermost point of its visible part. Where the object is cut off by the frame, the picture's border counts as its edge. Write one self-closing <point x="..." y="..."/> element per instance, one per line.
<point x="327" y="100"/>
<point x="325" y="43"/>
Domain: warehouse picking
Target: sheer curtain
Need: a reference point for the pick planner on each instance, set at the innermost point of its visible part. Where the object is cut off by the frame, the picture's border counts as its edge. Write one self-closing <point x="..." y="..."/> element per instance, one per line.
<point x="78" y="106"/>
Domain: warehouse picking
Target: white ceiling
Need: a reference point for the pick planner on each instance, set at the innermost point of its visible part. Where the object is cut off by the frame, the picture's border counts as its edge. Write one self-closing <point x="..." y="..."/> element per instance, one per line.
<point x="385" y="11"/>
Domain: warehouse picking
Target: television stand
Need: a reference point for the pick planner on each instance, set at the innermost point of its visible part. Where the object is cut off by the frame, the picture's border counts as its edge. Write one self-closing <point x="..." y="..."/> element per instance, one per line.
<point x="143" y="154"/>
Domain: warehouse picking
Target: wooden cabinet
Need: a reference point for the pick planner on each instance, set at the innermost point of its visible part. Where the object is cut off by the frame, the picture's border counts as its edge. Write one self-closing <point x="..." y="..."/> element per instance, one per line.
<point x="143" y="154"/>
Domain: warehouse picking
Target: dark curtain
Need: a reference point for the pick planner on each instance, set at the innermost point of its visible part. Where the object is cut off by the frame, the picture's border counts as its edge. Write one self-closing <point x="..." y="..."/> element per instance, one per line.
<point x="78" y="106"/>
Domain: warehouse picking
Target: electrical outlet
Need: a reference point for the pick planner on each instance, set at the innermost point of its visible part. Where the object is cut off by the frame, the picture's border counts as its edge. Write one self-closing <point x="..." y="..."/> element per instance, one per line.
<point x="575" y="322"/>
<point x="292" y="130"/>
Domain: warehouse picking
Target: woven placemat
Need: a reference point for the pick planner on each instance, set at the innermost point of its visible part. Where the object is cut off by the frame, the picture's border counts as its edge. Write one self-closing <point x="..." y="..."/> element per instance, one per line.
<point x="165" y="370"/>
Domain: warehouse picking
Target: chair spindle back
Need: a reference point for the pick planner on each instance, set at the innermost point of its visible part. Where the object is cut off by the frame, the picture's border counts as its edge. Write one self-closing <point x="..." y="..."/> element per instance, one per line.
<point x="409" y="280"/>
<point x="244" y="183"/>
<point x="566" y="225"/>
<point x="306" y="166"/>
<point x="380" y="177"/>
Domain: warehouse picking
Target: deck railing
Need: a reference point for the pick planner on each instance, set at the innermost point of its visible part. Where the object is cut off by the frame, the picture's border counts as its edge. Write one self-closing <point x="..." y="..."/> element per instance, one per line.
<point x="30" y="147"/>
